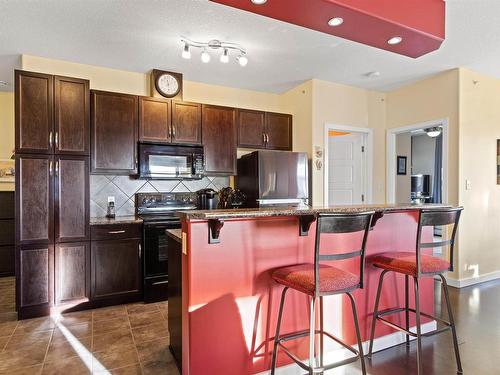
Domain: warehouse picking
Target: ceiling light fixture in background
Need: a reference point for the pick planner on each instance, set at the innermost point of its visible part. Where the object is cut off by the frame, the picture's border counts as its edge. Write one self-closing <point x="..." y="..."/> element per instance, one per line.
<point x="259" y="2"/>
<point x="214" y="44"/>
<point x="433" y="132"/>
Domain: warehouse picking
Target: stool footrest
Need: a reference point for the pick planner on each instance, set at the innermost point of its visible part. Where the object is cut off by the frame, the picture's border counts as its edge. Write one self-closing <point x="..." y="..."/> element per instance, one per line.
<point x="396" y="310"/>
<point x="319" y="370"/>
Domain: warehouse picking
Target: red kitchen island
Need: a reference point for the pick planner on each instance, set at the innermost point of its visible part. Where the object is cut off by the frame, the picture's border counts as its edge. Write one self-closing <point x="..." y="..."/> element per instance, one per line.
<point x="225" y="311"/>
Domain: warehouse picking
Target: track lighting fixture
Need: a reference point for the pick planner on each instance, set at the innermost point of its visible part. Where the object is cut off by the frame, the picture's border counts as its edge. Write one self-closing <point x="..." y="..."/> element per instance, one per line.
<point x="225" y="47"/>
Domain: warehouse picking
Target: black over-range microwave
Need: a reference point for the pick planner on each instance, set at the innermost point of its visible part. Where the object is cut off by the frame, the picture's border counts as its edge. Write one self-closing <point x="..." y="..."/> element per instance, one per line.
<point x="164" y="162"/>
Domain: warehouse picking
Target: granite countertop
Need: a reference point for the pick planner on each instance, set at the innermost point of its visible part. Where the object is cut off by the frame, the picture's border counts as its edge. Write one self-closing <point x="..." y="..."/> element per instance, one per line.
<point x="296" y="211"/>
<point x="176" y="234"/>
<point x="116" y="220"/>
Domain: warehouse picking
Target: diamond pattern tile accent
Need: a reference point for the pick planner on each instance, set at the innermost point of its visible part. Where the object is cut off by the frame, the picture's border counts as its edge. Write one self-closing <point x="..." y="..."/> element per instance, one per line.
<point x="123" y="188"/>
<point x="128" y="185"/>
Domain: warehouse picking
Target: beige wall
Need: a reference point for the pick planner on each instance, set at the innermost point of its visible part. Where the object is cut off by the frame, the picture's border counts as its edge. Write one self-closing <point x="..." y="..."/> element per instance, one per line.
<point x="479" y="130"/>
<point x="435" y="98"/>
<point x="337" y="104"/>
<point x="6" y="131"/>
<point x="403" y="182"/>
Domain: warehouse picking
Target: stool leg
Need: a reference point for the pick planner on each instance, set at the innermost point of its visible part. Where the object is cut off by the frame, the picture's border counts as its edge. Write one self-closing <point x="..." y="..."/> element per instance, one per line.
<point x="419" y="334"/>
<point x="407" y="306"/>
<point x="312" y="335"/>
<point x="358" y="334"/>
<point x="375" y="311"/>
<point x="321" y="338"/>
<point x="277" y="335"/>
<point x="452" y="323"/>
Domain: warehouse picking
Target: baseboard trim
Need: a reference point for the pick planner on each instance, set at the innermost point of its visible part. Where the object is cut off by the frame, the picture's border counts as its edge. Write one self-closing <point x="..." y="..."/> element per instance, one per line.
<point x="380" y="343"/>
<point x="468" y="281"/>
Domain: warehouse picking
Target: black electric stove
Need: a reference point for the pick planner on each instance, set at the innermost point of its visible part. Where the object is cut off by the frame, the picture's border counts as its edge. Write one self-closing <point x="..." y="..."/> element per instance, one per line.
<point x="157" y="210"/>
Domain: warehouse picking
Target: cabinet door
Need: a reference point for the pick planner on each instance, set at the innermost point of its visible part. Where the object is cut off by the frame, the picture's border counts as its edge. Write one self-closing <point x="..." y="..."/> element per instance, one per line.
<point x="251" y="125"/>
<point x="34" y="112"/>
<point x="71" y="116"/>
<point x="34" y="199"/>
<point x="219" y="140"/>
<point x="7" y="260"/>
<point x="113" y="132"/>
<point x="279" y="131"/>
<point x="36" y="277"/>
<point x="115" y="268"/>
<point x="154" y="120"/>
<point x="186" y="123"/>
<point x="72" y="272"/>
<point x="71" y="207"/>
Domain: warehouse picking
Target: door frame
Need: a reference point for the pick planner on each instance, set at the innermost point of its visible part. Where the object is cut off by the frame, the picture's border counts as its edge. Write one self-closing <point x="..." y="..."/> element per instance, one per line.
<point x="366" y="160"/>
<point x="391" y="156"/>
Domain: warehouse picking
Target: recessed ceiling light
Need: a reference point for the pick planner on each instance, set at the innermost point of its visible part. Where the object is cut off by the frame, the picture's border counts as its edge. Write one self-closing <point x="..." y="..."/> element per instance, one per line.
<point x="259" y="2"/>
<point x="336" y="21"/>
<point x="395" y="40"/>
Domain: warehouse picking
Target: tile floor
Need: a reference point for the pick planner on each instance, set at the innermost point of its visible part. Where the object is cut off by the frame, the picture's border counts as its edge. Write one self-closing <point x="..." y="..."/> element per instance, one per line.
<point x="126" y="340"/>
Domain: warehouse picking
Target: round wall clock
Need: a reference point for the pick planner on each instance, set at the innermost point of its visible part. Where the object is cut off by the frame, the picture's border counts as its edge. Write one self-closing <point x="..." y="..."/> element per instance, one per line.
<point x="167" y="85"/>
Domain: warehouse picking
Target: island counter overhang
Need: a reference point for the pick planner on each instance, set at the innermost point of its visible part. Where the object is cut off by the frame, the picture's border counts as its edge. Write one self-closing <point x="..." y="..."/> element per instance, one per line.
<point x="230" y="302"/>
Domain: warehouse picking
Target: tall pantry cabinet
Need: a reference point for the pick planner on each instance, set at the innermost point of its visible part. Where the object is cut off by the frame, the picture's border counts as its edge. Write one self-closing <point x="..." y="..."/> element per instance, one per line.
<point x="52" y="191"/>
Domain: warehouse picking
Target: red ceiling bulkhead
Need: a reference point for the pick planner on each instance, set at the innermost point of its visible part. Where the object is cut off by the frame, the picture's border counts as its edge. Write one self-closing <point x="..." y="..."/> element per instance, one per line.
<point x="420" y="23"/>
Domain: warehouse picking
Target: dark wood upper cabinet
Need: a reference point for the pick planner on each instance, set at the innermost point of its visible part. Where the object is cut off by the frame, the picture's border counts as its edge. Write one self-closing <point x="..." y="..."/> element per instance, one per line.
<point x="71" y="116"/>
<point x="35" y="280"/>
<point x="186" y="123"/>
<point x="71" y="208"/>
<point x="154" y="120"/>
<point x="34" y="104"/>
<point x="278" y="131"/>
<point x="113" y="132"/>
<point x="219" y="140"/>
<point x="34" y="199"/>
<point x="72" y="272"/>
<point x="251" y="128"/>
<point x="115" y="268"/>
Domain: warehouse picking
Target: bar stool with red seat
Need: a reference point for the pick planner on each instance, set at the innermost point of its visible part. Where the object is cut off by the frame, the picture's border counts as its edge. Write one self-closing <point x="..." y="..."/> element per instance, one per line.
<point x="419" y="265"/>
<point x="318" y="280"/>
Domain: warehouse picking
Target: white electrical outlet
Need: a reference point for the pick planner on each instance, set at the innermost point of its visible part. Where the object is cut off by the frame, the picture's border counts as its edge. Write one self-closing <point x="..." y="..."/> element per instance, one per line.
<point x="468" y="185"/>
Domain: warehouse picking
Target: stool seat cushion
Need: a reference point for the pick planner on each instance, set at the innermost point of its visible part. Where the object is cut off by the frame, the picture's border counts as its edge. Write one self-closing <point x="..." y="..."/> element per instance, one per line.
<point x="406" y="262"/>
<point x="301" y="277"/>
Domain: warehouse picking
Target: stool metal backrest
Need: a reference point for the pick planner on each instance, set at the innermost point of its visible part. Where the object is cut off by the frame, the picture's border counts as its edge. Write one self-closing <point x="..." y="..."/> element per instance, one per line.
<point x="437" y="217"/>
<point x="341" y="223"/>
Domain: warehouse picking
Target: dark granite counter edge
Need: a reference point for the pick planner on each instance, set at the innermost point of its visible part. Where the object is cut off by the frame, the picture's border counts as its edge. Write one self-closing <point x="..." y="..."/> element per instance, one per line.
<point x="116" y="220"/>
<point x="272" y="212"/>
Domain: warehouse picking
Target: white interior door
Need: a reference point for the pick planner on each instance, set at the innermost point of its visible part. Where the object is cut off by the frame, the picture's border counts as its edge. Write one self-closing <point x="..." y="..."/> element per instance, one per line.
<point x="345" y="169"/>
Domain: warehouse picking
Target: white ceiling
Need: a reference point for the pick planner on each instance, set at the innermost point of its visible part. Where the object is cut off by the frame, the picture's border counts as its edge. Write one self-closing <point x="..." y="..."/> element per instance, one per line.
<point x="138" y="35"/>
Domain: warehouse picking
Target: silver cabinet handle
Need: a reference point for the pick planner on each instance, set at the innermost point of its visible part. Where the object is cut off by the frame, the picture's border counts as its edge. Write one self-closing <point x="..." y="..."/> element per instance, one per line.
<point x="57" y="139"/>
<point x="264" y="138"/>
<point x="160" y="282"/>
<point x="50" y="139"/>
<point x="173" y="131"/>
<point x="57" y="168"/>
<point x="50" y="168"/>
<point x="116" y="231"/>
<point x="140" y="251"/>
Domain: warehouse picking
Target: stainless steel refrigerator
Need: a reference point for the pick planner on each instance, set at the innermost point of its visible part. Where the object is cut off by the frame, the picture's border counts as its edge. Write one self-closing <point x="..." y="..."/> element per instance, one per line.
<point x="274" y="178"/>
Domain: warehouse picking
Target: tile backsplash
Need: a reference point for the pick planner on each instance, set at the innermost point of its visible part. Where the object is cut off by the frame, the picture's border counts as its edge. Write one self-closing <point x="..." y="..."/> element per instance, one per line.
<point x="123" y="188"/>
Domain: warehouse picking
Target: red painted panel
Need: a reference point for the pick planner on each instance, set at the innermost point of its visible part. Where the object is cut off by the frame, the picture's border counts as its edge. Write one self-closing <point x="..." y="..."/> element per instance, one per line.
<point x="421" y="23"/>
<point x="231" y="301"/>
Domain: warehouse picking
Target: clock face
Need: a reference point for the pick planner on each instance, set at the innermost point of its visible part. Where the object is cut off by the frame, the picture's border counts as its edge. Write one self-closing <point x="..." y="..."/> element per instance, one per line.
<point x="167" y="85"/>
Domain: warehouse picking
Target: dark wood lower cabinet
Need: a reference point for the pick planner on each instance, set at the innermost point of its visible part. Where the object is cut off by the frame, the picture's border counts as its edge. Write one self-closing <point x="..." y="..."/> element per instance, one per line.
<point x="35" y="280"/>
<point x="116" y="268"/>
<point x="7" y="260"/>
<point x="7" y="233"/>
<point x="72" y="272"/>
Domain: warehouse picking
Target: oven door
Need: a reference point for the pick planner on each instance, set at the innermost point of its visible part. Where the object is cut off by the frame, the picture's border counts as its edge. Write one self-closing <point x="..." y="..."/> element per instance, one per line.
<point x="169" y="162"/>
<point x="156" y="248"/>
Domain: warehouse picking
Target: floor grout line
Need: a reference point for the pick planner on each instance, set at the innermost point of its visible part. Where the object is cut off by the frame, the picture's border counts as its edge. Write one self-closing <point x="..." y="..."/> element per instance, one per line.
<point x="135" y="344"/>
<point x="47" y="351"/>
